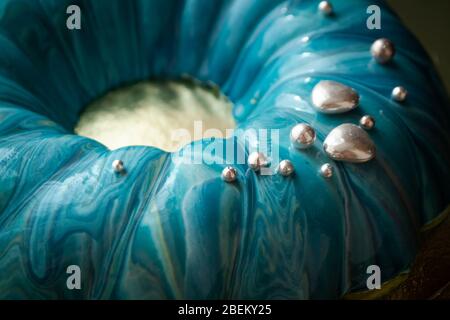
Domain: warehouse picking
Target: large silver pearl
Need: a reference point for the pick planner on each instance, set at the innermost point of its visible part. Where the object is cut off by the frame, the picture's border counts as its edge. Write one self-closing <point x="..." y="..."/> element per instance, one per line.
<point x="326" y="8"/>
<point x="349" y="143"/>
<point x="302" y="136"/>
<point x="257" y="160"/>
<point x="383" y="50"/>
<point x="326" y="170"/>
<point x="285" y="168"/>
<point x="399" y="94"/>
<point x="229" y="174"/>
<point x="367" y="122"/>
<point x="118" y="166"/>
<point x="334" y="97"/>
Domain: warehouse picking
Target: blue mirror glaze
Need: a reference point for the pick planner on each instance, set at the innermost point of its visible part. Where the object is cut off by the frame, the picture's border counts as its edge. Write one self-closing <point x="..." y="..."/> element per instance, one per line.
<point x="168" y="230"/>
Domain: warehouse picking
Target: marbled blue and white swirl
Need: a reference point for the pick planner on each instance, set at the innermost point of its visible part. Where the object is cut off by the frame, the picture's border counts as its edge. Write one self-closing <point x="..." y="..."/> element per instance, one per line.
<point x="167" y="230"/>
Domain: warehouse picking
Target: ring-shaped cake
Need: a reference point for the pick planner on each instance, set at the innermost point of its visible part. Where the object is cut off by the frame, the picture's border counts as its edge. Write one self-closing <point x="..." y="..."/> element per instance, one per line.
<point x="170" y="229"/>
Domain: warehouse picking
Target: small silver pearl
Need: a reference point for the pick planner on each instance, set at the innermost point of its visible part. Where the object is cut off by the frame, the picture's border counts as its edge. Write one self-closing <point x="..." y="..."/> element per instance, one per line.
<point x="117" y="166"/>
<point x="285" y="168"/>
<point x="229" y="174"/>
<point x="383" y="50"/>
<point x="302" y="136"/>
<point x="367" y="122"/>
<point x="326" y="170"/>
<point x="326" y="8"/>
<point x="399" y="94"/>
<point x="257" y="160"/>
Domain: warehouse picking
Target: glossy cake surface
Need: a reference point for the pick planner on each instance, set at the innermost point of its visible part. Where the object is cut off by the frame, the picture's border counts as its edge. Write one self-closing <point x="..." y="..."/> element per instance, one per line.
<point x="177" y="230"/>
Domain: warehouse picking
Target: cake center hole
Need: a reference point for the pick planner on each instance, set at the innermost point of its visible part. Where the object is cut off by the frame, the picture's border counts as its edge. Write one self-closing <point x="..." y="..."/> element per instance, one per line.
<point x="162" y="114"/>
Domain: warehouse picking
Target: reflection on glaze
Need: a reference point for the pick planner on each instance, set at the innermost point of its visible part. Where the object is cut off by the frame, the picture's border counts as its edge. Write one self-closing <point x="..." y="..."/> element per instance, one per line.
<point x="172" y="230"/>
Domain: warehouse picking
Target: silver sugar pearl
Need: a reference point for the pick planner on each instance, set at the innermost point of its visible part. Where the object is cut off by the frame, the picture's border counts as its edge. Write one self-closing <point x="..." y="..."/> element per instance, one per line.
<point x="117" y="166"/>
<point x="383" y="50"/>
<point x="285" y="168"/>
<point x="367" y="122"/>
<point x="334" y="97"/>
<point x="325" y="7"/>
<point x="302" y="136"/>
<point x="349" y="143"/>
<point x="326" y="170"/>
<point x="399" y="94"/>
<point x="257" y="160"/>
<point x="229" y="174"/>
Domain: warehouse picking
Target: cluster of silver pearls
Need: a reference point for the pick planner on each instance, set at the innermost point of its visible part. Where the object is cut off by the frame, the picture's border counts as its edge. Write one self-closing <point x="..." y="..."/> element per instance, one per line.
<point x="118" y="166"/>
<point x="302" y="136"/>
<point x="367" y="122"/>
<point x="326" y="8"/>
<point x="229" y="174"/>
<point x="346" y="142"/>
<point x="285" y="168"/>
<point x="383" y="50"/>
<point x="399" y="94"/>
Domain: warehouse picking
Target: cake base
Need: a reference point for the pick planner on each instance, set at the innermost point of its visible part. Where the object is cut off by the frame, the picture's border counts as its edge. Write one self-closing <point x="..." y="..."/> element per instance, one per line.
<point x="428" y="277"/>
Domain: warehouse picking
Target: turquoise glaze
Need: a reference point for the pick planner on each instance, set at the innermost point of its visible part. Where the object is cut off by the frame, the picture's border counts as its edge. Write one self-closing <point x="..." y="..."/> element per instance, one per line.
<point x="167" y="230"/>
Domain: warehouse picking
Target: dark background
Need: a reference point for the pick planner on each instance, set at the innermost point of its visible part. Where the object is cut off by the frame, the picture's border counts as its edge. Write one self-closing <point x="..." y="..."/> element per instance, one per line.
<point x="429" y="20"/>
